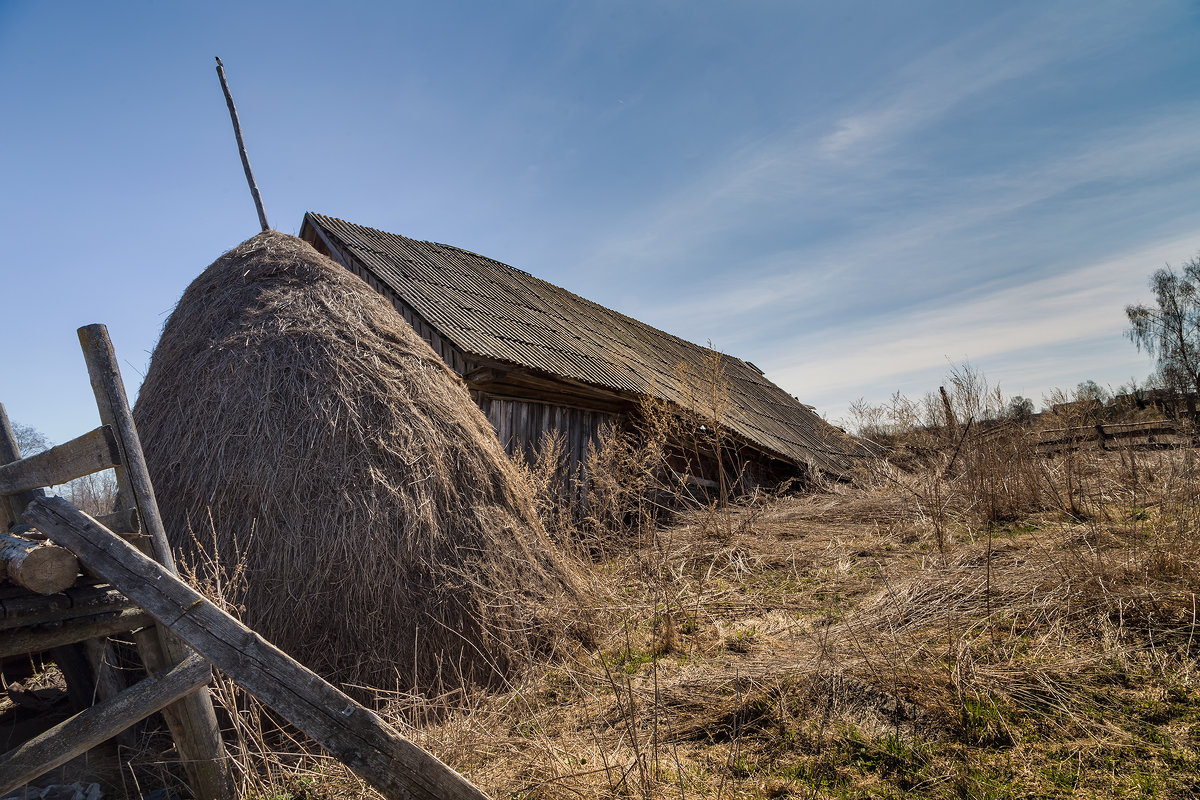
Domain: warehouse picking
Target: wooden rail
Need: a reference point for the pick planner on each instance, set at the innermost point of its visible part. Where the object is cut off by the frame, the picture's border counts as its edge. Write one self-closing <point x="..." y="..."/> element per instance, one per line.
<point x="80" y="629"/>
<point x="78" y="601"/>
<point x="92" y="452"/>
<point x="1136" y="434"/>
<point x="85" y="730"/>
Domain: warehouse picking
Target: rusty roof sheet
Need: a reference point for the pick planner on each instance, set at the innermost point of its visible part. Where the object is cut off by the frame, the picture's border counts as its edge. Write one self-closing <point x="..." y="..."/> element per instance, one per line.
<point x="492" y="310"/>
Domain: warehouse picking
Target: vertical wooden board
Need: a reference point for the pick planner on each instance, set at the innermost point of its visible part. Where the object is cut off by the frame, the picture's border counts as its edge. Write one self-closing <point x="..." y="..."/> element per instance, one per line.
<point x="522" y="426"/>
<point x="498" y="419"/>
<point x="571" y="436"/>
<point x="524" y="418"/>
<point x="580" y="435"/>
<point x="536" y="412"/>
<point x="586" y="431"/>
<point x="563" y="416"/>
<point x="560" y="425"/>
<point x="538" y="424"/>
<point x="558" y="418"/>
<point x="505" y="427"/>
<point x="517" y="427"/>
<point x="582" y="446"/>
<point x="495" y="416"/>
<point x="515" y="432"/>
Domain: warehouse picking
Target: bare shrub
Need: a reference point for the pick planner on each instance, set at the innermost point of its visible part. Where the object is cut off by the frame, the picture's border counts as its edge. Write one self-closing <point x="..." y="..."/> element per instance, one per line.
<point x="958" y="453"/>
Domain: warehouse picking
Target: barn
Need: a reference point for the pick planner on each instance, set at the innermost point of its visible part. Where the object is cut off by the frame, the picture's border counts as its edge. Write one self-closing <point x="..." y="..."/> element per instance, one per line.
<point x="538" y="358"/>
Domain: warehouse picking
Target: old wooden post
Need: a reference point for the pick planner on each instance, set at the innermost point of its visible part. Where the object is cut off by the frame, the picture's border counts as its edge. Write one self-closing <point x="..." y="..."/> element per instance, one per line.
<point x="192" y="721"/>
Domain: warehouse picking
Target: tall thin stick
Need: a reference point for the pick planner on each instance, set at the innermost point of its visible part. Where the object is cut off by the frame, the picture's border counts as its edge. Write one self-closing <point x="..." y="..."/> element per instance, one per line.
<point x="237" y="131"/>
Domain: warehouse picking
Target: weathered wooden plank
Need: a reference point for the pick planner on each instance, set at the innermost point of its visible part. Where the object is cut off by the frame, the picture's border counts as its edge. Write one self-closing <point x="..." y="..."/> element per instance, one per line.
<point x="522" y="427"/>
<point x="192" y="721"/>
<point x="41" y="567"/>
<point x="124" y="522"/>
<point x="92" y="452"/>
<point x="35" y="640"/>
<point x="353" y="734"/>
<point x="80" y="601"/>
<point x="504" y="429"/>
<point x="94" y="725"/>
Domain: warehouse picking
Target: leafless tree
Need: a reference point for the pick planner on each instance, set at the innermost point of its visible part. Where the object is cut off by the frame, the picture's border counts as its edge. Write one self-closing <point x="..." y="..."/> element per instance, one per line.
<point x="30" y="439"/>
<point x="1169" y="330"/>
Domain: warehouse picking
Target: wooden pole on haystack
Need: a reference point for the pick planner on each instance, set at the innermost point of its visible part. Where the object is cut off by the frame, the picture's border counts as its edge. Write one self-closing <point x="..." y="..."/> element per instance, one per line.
<point x="237" y="131"/>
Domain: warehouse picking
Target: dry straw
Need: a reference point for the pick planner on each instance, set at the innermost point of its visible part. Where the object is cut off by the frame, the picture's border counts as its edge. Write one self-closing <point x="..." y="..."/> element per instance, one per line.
<point x="294" y="423"/>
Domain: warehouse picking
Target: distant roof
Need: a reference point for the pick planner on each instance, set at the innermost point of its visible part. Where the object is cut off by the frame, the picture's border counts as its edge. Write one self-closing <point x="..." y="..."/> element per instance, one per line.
<point x="498" y="312"/>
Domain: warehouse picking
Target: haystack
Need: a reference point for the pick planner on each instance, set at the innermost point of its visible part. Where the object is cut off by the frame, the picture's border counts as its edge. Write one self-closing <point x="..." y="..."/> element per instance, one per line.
<point x="297" y="428"/>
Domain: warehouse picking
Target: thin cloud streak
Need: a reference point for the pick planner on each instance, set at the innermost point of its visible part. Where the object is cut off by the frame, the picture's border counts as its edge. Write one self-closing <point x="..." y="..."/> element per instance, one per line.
<point x="1048" y="315"/>
<point x="801" y="279"/>
<point x="973" y="64"/>
<point x="790" y="174"/>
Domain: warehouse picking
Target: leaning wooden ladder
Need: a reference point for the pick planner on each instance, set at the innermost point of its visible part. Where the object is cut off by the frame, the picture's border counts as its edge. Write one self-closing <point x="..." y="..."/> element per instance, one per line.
<point x="177" y="622"/>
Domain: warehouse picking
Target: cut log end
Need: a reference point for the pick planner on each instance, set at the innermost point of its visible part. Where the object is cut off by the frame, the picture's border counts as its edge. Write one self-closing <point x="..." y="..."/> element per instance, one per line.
<point x="40" y="567"/>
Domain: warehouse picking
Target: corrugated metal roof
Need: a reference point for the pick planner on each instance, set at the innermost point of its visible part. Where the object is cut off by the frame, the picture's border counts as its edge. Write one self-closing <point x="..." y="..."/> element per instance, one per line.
<point x="492" y="310"/>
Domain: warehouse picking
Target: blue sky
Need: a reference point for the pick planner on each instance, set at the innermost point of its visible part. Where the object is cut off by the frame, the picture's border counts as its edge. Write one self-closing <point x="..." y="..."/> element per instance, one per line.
<point x="851" y="195"/>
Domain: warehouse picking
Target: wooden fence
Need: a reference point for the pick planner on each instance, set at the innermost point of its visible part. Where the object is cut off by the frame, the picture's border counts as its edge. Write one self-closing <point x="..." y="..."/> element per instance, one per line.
<point x="1141" y="435"/>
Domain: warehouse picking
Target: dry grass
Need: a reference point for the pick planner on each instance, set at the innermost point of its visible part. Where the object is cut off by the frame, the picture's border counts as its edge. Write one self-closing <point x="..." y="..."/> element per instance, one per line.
<point x="967" y="619"/>
<point x="853" y="643"/>
<point x="828" y="646"/>
<point x="298" y="428"/>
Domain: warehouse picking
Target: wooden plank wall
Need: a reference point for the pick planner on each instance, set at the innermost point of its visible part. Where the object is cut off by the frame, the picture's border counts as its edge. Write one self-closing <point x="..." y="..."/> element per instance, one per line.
<point x="521" y="424"/>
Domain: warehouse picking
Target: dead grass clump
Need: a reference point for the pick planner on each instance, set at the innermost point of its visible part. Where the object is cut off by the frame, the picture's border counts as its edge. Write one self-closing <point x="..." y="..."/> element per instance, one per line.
<point x="296" y="425"/>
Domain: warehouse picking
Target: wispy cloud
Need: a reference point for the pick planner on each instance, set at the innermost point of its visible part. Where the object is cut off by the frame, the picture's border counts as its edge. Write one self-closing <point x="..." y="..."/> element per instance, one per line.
<point x="1005" y="262"/>
<point x="1045" y="317"/>
<point x="843" y="158"/>
<point x="936" y="238"/>
<point x="1013" y="46"/>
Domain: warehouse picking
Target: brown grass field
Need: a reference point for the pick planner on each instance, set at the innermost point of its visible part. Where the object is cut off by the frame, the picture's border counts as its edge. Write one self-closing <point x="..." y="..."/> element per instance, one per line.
<point x="965" y="619"/>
